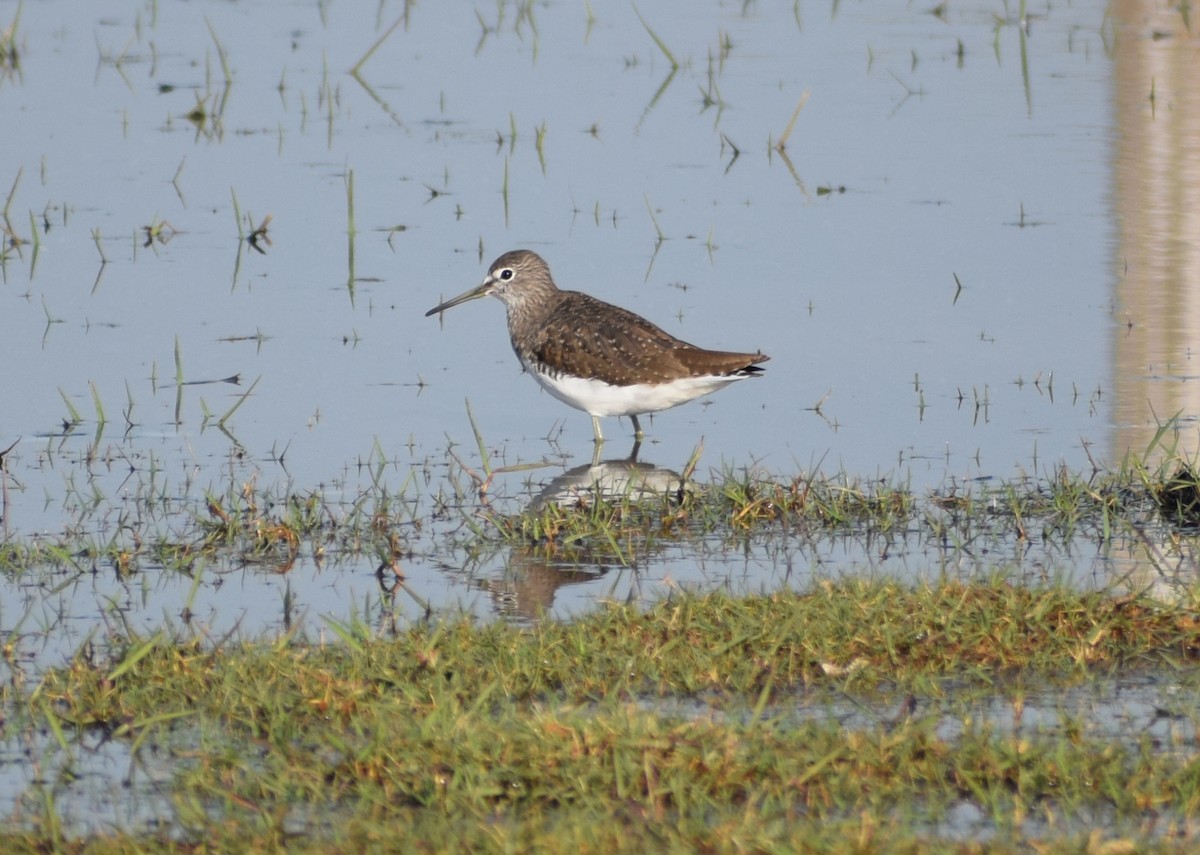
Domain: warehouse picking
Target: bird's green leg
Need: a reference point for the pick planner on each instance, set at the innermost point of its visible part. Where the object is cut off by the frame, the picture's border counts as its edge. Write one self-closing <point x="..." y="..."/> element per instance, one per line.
<point x="637" y="429"/>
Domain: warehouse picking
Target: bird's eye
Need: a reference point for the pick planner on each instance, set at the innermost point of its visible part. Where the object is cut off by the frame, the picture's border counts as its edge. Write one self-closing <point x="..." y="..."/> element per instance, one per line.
<point x="506" y="274"/>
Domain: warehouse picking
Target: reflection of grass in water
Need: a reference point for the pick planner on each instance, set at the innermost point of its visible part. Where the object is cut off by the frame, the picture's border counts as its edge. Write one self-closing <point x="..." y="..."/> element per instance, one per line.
<point x="10" y="56"/>
<point x="12" y="239"/>
<point x="351" y="235"/>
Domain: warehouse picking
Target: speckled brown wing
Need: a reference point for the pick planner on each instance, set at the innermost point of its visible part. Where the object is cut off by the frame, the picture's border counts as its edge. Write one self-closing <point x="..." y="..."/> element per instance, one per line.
<point x="588" y="338"/>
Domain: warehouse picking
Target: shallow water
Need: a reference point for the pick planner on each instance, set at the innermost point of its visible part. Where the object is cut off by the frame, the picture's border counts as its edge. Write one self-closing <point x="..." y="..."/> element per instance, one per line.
<point x="978" y="166"/>
<point x="974" y="259"/>
<point x="975" y="150"/>
<point x="978" y="297"/>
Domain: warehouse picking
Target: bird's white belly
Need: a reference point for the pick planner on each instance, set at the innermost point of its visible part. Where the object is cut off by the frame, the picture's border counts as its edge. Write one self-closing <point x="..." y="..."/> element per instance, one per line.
<point x="598" y="398"/>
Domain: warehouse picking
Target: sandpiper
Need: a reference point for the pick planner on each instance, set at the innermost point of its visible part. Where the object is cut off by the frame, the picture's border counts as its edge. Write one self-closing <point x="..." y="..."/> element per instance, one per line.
<point x="597" y="357"/>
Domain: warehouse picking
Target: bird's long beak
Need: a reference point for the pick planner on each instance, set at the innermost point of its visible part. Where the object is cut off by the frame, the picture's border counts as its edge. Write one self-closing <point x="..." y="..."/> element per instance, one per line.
<point x="474" y="294"/>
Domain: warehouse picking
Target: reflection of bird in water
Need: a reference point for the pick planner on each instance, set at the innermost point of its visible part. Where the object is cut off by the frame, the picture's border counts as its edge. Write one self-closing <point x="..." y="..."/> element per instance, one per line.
<point x="528" y="587"/>
<point x="612" y="480"/>
<point x="526" y="592"/>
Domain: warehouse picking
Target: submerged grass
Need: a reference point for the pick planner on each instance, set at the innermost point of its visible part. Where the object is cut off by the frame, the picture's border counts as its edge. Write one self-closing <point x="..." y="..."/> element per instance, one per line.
<point x="457" y="736"/>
